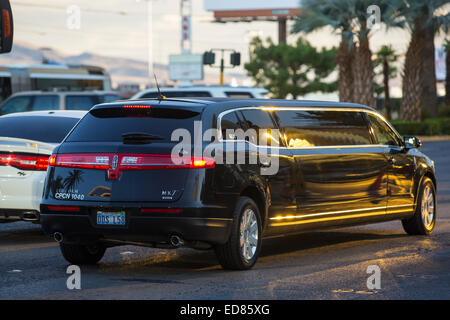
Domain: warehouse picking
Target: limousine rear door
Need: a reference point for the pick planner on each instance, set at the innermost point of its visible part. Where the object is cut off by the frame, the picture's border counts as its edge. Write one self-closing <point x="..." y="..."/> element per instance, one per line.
<point x="267" y="165"/>
<point x="276" y="165"/>
<point x="341" y="175"/>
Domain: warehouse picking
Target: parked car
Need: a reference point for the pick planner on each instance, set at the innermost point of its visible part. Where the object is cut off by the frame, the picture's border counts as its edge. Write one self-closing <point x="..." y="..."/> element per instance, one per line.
<point x="26" y="142"/>
<point x="338" y="165"/>
<point x="204" y="91"/>
<point x="58" y="100"/>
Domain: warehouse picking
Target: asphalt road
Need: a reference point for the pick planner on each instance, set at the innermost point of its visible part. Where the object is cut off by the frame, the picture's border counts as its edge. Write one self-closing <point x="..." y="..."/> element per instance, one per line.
<point x="329" y="264"/>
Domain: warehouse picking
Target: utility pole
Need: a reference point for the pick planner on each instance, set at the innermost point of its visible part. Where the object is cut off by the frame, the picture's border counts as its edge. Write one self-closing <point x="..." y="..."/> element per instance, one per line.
<point x="186" y="32"/>
<point x="222" y="68"/>
<point x="282" y="30"/>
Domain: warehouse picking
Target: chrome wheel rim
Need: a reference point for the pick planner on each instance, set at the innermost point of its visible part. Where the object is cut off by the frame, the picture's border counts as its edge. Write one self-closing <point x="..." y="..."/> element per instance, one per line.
<point x="249" y="234"/>
<point x="428" y="207"/>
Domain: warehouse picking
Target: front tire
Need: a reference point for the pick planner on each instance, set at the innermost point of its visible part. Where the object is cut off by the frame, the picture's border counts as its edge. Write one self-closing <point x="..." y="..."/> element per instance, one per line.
<point x="242" y="248"/>
<point x="82" y="254"/>
<point x="424" y="219"/>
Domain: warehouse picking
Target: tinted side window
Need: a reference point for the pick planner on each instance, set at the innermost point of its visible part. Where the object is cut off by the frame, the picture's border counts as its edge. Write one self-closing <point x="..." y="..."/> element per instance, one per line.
<point x="230" y="122"/>
<point x="18" y="104"/>
<point x="39" y="128"/>
<point x="80" y="102"/>
<point x="257" y="120"/>
<point x="382" y="132"/>
<point x="323" y="128"/>
<point x="45" y="103"/>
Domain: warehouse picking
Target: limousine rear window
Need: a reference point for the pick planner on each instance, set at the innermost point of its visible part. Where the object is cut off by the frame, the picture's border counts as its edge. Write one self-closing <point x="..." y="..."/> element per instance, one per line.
<point x="109" y="124"/>
<point x="323" y="128"/>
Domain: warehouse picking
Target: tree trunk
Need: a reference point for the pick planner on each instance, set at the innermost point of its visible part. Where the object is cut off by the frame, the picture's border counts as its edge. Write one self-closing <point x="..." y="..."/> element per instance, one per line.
<point x="411" y="88"/>
<point x="429" y="91"/>
<point x="387" y="96"/>
<point x="363" y="72"/>
<point x="447" y="77"/>
<point x="345" y="65"/>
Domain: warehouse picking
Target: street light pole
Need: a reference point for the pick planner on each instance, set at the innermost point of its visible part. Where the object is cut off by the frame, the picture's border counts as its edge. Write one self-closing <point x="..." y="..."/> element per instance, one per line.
<point x="222" y="68"/>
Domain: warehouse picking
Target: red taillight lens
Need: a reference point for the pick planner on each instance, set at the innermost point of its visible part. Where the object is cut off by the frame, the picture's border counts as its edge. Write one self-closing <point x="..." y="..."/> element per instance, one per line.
<point x="6" y="23"/>
<point x="59" y="208"/>
<point x="24" y="162"/>
<point x="136" y="107"/>
<point x="199" y="162"/>
<point x="52" y="161"/>
<point x="159" y="161"/>
<point x="42" y="163"/>
<point x="129" y="162"/>
<point x="83" y="161"/>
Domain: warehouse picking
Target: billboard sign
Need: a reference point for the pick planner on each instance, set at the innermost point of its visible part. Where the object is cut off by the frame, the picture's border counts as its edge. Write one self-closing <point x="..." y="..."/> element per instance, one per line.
<point x="235" y="10"/>
<point x="232" y="5"/>
<point x="186" y="67"/>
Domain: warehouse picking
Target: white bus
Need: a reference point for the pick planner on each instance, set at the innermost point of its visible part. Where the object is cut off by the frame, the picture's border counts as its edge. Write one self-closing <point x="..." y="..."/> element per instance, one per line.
<point x="48" y="77"/>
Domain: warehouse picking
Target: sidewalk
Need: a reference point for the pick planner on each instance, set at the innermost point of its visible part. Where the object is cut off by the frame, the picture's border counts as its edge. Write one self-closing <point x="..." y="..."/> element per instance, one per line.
<point x="434" y="138"/>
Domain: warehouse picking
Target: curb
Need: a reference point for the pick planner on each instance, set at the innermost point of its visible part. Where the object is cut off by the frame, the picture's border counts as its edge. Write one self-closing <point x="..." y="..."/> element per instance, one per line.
<point x="434" y="138"/>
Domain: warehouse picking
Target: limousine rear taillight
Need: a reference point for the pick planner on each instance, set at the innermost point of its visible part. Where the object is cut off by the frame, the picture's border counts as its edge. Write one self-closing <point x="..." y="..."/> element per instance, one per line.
<point x="123" y="162"/>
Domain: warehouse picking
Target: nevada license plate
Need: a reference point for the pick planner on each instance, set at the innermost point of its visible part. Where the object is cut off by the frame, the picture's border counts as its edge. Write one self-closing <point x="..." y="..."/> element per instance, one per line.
<point x="111" y="218"/>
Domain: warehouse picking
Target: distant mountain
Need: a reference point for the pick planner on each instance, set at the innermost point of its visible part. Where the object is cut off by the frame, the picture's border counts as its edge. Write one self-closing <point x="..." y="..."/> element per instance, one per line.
<point x="121" y="69"/>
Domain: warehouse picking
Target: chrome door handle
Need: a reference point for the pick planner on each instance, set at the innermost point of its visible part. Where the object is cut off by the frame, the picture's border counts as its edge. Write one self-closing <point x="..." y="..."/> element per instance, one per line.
<point x="264" y="164"/>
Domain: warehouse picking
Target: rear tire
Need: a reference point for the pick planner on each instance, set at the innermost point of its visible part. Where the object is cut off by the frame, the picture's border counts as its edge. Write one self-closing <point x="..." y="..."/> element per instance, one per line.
<point x="242" y="248"/>
<point x="82" y="254"/>
<point x="424" y="219"/>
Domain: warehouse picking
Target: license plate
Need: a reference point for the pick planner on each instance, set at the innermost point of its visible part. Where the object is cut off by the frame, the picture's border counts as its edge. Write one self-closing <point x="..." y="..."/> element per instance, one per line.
<point x="111" y="218"/>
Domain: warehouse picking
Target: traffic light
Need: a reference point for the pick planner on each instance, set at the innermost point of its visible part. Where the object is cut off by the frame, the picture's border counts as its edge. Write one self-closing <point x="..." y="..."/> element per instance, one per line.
<point x="235" y="59"/>
<point x="209" y="57"/>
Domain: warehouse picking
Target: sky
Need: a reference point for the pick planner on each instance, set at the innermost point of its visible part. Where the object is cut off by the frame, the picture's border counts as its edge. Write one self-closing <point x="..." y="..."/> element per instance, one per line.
<point x="120" y="28"/>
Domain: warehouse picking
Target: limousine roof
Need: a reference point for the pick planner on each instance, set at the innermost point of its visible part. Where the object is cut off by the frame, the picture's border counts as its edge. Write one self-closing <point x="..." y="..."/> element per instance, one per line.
<point x="237" y="102"/>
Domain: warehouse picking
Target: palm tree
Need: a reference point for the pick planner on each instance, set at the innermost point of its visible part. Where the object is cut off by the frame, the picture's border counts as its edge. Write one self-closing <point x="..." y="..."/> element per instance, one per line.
<point x="385" y="57"/>
<point x="334" y="13"/>
<point x="348" y="18"/>
<point x="419" y="77"/>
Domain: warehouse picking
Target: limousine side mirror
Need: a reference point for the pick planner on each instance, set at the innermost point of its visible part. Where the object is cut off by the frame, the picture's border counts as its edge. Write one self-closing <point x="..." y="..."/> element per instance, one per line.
<point x="6" y="27"/>
<point x="412" y="142"/>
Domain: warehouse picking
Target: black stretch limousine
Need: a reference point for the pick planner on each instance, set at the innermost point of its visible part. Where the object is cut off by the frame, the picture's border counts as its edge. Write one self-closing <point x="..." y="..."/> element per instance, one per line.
<point x="224" y="173"/>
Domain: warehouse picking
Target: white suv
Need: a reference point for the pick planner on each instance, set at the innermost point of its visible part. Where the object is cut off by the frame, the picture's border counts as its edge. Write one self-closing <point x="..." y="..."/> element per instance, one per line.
<point x="205" y="91"/>
<point x="58" y="100"/>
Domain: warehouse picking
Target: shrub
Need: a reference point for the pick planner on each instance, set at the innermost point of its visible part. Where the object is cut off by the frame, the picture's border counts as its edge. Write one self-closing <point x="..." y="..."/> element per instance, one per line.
<point x="428" y="127"/>
<point x="444" y="110"/>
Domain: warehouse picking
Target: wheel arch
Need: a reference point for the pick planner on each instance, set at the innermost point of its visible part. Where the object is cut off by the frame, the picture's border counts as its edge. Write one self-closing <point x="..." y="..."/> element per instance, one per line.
<point x="426" y="173"/>
<point x="261" y="198"/>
